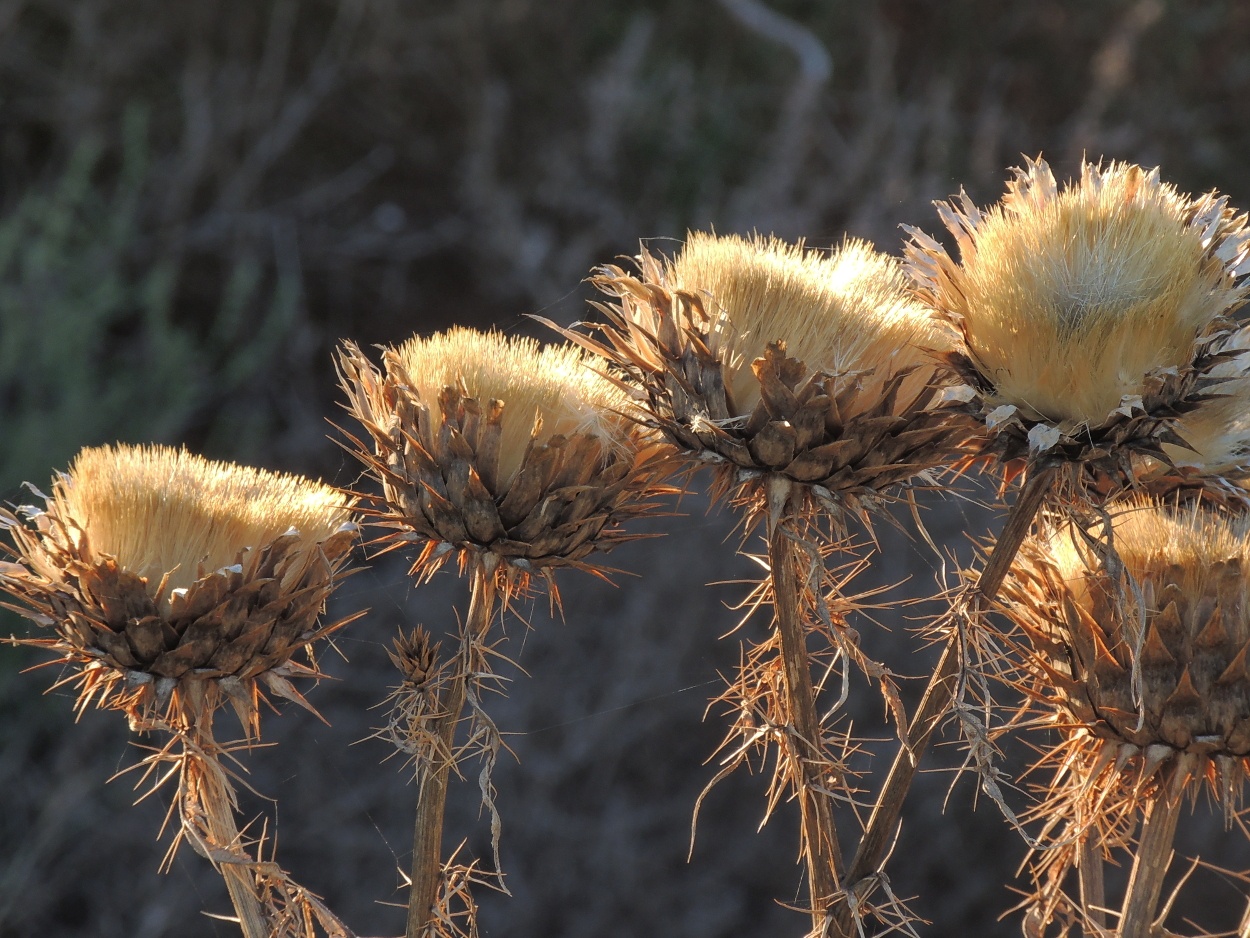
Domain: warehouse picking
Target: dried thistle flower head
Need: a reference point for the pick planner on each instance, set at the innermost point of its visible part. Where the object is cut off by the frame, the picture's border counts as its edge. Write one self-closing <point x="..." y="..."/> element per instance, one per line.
<point x="845" y="313"/>
<point x="486" y="444"/>
<point x="1146" y="669"/>
<point x="768" y="358"/>
<point x="158" y="569"/>
<point x="1088" y="313"/>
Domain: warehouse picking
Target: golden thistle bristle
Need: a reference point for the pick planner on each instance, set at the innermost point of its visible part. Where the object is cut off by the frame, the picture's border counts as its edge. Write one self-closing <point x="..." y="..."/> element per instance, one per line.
<point x="845" y="312"/>
<point x="158" y="510"/>
<point x="1069" y="298"/>
<point x="1187" y="549"/>
<point x="555" y="385"/>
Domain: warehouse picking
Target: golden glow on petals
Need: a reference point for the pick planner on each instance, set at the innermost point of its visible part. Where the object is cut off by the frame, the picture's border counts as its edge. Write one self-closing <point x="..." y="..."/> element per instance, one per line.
<point x="557" y="385"/>
<point x="159" y="510"/>
<point x="844" y="312"/>
<point x="1070" y="297"/>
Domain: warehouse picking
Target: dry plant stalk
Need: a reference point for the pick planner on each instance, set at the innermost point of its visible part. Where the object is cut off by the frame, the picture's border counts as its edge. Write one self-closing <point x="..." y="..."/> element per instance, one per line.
<point x="174" y="585"/>
<point x="511" y="496"/>
<point x="807" y="381"/>
<point x="1138" y="660"/>
<point x="1089" y="321"/>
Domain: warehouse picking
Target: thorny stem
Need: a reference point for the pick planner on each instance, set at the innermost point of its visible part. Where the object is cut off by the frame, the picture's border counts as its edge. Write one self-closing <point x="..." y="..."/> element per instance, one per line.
<point x="820" y="837"/>
<point x="940" y="690"/>
<point x="1093" y="889"/>
<point x="427" y="838"/>
<point x="210" y="790"/>
<point x="1154" y="854"/>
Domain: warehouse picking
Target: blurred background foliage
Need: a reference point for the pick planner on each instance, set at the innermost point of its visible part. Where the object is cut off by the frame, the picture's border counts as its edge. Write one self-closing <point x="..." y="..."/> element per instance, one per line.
<point x="198" y="200"/>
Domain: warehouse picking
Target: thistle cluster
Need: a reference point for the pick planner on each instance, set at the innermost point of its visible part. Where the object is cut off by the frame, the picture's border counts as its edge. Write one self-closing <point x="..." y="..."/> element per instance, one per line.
<point x="1081" y="337"/>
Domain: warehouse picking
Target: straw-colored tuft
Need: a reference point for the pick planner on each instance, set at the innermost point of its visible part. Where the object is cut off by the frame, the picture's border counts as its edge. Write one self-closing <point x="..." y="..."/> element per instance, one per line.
<point x="1088" y="307"/>
<point x="546" y="389"/>
<point x="489" y="445"/>
<point x="845" y="312"/>
<point x="159" y="570"/>
<point x="158" y="510"/>
<point x="769" y="359"/>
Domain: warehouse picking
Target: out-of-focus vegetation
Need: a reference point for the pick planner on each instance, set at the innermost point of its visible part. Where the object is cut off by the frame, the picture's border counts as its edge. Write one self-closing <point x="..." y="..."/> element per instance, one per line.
<point x="199" y="199"/>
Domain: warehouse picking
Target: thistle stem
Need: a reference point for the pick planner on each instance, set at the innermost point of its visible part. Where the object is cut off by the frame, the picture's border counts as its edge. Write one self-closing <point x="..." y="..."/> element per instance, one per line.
<point x="1093" y="889"/>
<point x="1154" y="855"/>
<point x="941" y="688"/>
<point x="209" y="789"/>
<point x="820" y="837"/>
<point x="427" y="839"/>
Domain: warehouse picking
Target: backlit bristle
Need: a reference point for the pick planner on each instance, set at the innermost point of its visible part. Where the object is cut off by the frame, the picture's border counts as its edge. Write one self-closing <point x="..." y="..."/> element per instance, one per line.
<point x="1160" y="547"/>
<point x="160" y="510"/>
<point x="845" y="312"/>
<point x="557" y="385"/>
<point x="1070" y="298"/>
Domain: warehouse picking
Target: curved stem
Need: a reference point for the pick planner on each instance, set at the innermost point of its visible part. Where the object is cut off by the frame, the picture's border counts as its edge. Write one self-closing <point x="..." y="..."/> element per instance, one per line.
<point x="820" y="837"/>
<point x="427" y="838"/>
<point x="941" y="687"/>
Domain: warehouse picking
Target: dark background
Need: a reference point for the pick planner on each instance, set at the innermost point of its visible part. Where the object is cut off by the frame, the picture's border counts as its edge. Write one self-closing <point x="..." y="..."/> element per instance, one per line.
<point x="198" y="200"/>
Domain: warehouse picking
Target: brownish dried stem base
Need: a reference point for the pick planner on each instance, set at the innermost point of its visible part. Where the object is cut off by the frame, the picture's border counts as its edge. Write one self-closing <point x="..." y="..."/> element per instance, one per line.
<point x="819" y="835"/>
<point x="938" y="694"/>
<point x="1151" y="861"/>
<point x="208" y="788"/>
<point x="1093" y="888"/>
<point x="427" y="841"/>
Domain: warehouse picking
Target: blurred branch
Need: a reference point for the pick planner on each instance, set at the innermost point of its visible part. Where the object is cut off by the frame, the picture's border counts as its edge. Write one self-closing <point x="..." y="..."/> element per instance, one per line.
<point x="766" y="201"/>
<point x="1111" y="69"/>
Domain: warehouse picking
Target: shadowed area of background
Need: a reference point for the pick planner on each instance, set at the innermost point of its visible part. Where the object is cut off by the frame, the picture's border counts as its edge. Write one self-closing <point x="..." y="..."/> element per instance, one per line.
<point x="200" y="199"/>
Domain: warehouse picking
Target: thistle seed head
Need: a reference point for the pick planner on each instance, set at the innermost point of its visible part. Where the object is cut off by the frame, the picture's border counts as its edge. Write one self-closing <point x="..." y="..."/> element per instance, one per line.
<point x="769" y="359"/>
<point x="159" y="570"/>
<point x="1144" y="649"/>
<point x="1089" y="311"/>
<point x="488" y="446"/>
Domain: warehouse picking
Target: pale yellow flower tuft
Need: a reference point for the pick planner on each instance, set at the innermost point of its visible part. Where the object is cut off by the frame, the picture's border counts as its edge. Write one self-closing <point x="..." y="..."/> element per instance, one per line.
<point x="555" y="388"/>
<point x="1069" y="299"/>
<point x="847" y="312"/>
<point x="158" y="510"/>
